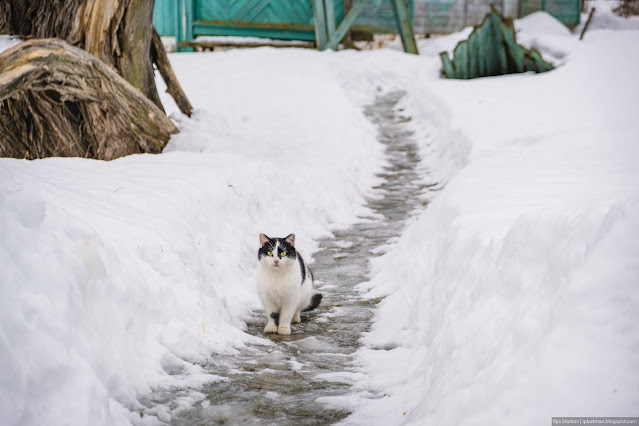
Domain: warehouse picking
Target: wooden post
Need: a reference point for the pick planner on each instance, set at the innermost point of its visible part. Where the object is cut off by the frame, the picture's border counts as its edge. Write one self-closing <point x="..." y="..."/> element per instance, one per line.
<point x="188" y="9"/>
<point x="184" y="26"/>
<point x="179" y="25"/>
<point x="176" y="23"/>
<point x="404" y="26"/>
<point x="319" y="15"/>
<point x="346" y="23"/>
<point x="329" y="9"/>
<point x="592" y="11"/>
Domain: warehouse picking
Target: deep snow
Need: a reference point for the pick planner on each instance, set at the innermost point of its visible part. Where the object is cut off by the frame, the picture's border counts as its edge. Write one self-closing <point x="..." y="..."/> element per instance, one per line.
<point x="513" y="296"/>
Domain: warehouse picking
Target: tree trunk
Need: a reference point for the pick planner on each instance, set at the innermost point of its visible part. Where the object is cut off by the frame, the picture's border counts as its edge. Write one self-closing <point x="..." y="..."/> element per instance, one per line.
<point x="119" y="33"/>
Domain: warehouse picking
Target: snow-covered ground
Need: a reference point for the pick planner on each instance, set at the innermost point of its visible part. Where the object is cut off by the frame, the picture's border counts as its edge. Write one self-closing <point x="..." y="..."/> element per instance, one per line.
<point x="513" y="297"/>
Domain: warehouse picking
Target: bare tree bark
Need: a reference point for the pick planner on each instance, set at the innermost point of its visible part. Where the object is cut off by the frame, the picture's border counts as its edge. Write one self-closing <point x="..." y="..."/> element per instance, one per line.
<point x="116" y="31"/>
<point x="119" y="33"/>
<point x="134" y="63"/>
<point x="57" y="100"/>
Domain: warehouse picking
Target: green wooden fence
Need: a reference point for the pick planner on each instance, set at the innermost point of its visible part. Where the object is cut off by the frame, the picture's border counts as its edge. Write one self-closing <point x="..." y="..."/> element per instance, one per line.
<point x="279" y="19"/>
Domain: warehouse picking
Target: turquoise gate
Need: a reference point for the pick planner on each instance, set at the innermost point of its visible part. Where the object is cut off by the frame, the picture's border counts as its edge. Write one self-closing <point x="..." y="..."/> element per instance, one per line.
<point x="278" y="19"/>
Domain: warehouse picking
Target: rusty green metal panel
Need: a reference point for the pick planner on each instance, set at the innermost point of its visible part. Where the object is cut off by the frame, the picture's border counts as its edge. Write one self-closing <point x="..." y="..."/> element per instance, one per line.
<point x="490" y="50"/>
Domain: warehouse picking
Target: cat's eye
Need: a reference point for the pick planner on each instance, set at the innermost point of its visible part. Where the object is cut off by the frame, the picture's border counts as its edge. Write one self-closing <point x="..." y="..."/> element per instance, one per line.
<point x="270" y="253"/>
<point x="283" y="254"/>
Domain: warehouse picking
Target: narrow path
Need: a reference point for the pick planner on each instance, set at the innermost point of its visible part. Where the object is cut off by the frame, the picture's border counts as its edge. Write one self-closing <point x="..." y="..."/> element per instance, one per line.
<point x="279" y="384"/>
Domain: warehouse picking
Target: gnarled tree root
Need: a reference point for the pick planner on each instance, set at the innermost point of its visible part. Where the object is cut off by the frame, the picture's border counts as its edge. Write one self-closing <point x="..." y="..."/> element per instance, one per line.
<point x="58" y="100"/>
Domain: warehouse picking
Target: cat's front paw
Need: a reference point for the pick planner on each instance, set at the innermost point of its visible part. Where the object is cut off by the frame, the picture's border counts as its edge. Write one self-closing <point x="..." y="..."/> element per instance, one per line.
<point x="271" y="328"/>
<point x="285" y="331"/>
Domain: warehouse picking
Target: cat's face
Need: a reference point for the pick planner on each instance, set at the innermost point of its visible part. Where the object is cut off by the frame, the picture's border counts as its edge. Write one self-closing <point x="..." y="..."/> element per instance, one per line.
<point x="277" y="252"/>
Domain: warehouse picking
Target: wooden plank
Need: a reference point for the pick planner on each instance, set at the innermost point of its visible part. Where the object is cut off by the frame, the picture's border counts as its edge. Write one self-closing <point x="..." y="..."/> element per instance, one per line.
<point x="447" y="66"/>
<point x="189" y="14"/>
<point x="404" y="26"/>
<point x="319" y="15"/>
<point x="329" y="8"/>
<point x="184" y="24"/>
<point x="240" y="44"/>
<point x="177" y="26"/>
<point x="179" y="23"/>
<point x="346" y="23"/>
<point x="253" y="24"/>
<point x="254" y="29"/>
<point x="583" y="31"/>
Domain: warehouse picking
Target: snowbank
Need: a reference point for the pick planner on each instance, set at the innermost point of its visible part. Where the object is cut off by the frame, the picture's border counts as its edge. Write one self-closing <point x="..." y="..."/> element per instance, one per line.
<point x="120" y="278"/>
<point x="516" y="296"/>
<point x="513" y="298"/>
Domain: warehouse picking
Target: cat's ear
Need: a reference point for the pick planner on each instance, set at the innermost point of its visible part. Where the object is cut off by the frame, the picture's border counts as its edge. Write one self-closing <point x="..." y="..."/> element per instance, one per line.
<point x="263" y="239"/>
<point x="290" y="239"/>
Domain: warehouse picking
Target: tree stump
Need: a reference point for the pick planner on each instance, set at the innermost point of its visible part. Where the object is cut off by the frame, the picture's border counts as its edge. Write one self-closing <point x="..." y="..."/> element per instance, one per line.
<point x="46" y="111"/>
<point x="58" y="100"/>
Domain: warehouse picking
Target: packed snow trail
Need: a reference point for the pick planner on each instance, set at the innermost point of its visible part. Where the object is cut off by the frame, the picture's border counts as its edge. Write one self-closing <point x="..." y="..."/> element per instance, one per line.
<point x="280" y="383"/>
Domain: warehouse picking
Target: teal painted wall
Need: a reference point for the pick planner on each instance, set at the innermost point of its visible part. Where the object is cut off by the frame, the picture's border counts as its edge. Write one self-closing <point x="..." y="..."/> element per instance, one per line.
<point x="164" y="17"/>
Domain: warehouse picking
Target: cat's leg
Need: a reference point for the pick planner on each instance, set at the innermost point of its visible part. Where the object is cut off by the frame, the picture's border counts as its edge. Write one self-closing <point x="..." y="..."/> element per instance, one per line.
<point x="271" y="315"/>
<point x="270" y="323"/>
<point x="296" y="318"/>
<point x="286" y="315"/>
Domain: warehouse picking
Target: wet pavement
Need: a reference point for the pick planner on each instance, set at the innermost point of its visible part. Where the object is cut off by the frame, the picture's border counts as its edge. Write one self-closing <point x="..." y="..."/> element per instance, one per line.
<point x="280" y="383"/>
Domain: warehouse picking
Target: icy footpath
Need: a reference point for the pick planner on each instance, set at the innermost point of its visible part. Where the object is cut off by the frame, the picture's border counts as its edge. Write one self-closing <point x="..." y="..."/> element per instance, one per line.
<point x="513" y="298"/>
<point x="122" y="278"/>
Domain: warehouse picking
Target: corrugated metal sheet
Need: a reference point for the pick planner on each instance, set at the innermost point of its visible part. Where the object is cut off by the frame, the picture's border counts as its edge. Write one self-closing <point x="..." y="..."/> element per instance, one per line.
<point x="492" y="49"/>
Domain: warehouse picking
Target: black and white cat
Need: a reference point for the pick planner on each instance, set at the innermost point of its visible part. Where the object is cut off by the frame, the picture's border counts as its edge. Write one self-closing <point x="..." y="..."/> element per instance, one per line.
<point x="285" y="283"/>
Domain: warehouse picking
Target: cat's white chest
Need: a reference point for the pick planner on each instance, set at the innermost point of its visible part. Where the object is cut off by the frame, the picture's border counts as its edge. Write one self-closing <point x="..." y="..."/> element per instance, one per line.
<point x="277" y="280"/>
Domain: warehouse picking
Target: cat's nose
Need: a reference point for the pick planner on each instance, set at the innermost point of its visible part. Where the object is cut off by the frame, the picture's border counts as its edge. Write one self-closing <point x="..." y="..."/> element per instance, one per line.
<point x="276" y="261"/>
